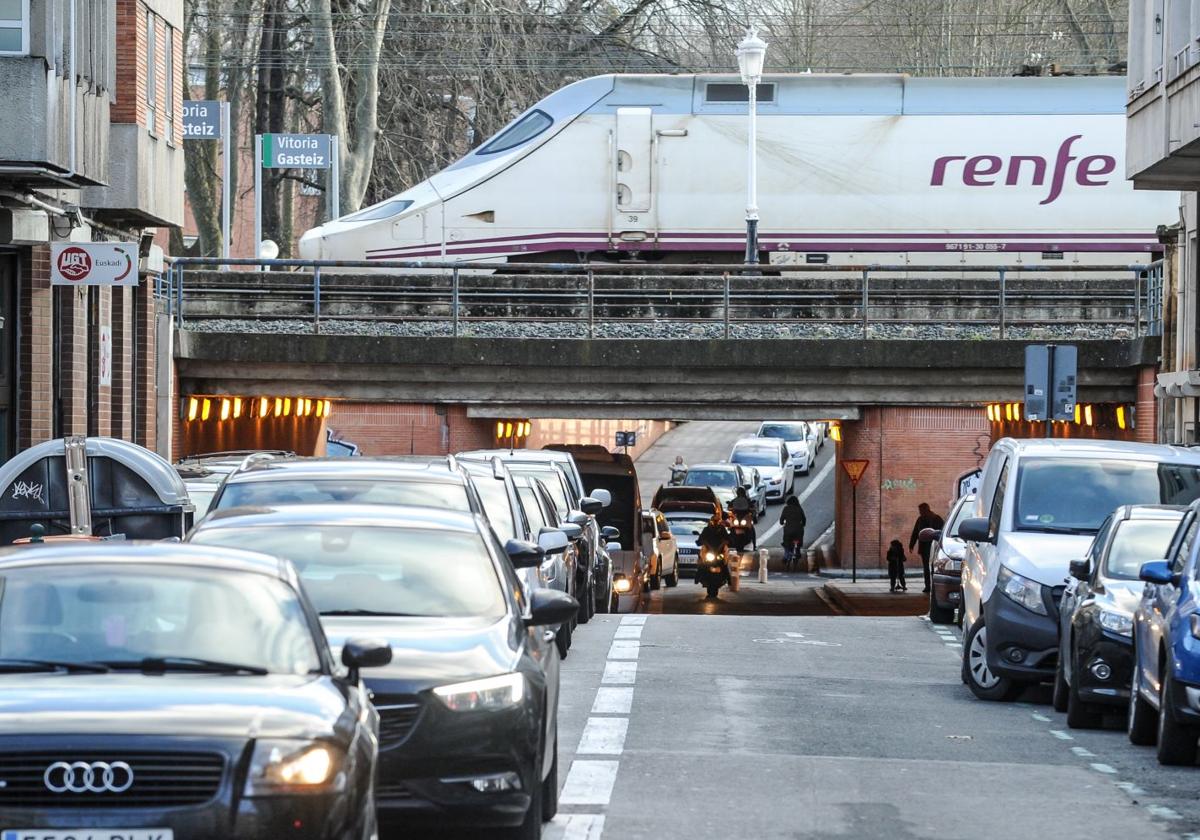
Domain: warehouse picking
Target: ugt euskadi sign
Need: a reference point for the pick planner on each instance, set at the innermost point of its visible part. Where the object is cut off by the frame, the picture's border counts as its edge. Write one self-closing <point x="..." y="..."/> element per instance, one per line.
<point x="93" y="264"/>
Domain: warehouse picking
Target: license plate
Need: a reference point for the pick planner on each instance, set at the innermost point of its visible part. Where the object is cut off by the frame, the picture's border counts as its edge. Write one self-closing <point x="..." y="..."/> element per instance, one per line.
<point x="88" y="834"/>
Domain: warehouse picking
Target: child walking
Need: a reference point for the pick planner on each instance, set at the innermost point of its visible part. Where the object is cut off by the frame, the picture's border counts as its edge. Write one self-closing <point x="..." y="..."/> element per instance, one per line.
<point x="895" y="561"/>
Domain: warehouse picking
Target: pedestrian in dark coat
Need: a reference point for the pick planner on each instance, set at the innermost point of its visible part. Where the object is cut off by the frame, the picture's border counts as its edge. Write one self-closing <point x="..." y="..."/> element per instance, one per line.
<point x="926" y="518"/>
<point x="793" y="521"/>
<point x="895" y="563"/>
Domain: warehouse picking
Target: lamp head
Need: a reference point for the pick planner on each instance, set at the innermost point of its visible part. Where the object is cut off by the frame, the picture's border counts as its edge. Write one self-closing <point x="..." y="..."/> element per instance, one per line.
<point x="751" y="54"/>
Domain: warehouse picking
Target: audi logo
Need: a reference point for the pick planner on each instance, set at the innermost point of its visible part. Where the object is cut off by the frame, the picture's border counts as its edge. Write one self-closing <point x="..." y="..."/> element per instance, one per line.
<point x="88" y="777"/>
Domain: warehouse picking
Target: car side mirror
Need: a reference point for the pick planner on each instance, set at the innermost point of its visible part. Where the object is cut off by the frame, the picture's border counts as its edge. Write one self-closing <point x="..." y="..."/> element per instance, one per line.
<point x="609" y="532"/>
<point x="572" y="530"/>
<point x="591" y="505"/>
<point x="664" y="535"/>
<point x="613" y="546"/>
<point x="578" y="517"/>
<point x="523" y="554"/>
<point x="975" y="530"/>
<point x="365" y="653"/>
<point x="1080" y="569"/>
<point x="552" y="541"/>
<point x="602" y="496"/>
<point x="550" y="607"/>
<point x="1158" y="572"/>
<point x="929" y="534"/>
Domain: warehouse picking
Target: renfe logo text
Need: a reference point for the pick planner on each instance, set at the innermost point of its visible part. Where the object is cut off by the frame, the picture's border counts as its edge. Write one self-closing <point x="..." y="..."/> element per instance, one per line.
<point x="988" y="170"/>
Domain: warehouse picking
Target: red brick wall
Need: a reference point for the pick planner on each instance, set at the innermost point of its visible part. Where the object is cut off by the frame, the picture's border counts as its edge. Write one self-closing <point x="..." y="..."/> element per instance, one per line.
<point x="35" y="349"/>
<point x="122" y="387"/>
<point x="73" y="359"/>
<point x="130" y="105"/>
<point x="915" y="455"/>
<point x="100" y="407"/>
<point x="1147" y="407"/>
<point x="406" y="428"/>
<point x="144" y="431"/>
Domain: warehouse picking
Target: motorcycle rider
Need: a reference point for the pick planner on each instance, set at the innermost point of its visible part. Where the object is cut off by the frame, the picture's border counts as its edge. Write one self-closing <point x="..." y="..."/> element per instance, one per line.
<point x="742" y="508"/>
<point x="678" y="471"/>
<point x="714" y="538"/>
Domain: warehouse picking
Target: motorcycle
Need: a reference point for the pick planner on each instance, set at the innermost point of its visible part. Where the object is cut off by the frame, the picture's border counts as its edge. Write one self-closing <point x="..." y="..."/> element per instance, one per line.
<point x="678" y="474"/>
<point x="712" y="569"/>
<point x="741" y="531"/>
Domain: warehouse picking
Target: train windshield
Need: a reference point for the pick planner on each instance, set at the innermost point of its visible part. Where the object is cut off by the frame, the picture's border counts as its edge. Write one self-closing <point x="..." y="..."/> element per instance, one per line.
<point x="524" y="130"/>
<point x="380" y="211"/>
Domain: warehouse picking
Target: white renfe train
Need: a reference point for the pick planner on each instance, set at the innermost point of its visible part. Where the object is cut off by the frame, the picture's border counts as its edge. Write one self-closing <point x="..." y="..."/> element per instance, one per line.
<point x="881" y="169"/>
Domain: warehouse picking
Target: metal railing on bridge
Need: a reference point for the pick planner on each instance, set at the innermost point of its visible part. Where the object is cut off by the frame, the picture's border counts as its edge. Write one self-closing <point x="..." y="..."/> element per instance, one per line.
<point x="665" y="301"/>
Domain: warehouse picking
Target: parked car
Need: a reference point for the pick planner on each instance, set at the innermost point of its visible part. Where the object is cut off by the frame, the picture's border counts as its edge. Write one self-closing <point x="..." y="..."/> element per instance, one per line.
<point x="614" y="475"/>
<point x="945" y="565"/>
<point x="498" y="493"/>
<point x="724" y="479"/>
<point x="469" y="705"/>
<point x="1095" y="657"/>
<point x="595" y="575"/>
<point x="770" y="457"/>
<point x="686" y="511"/>
<point x="203" y="474"/>
<point x="662" y="561"/>
<point x="800" y="438"/>
<point x="168" y="689"/>
<point x="558" y="568"/>
<point x="1040" y="504"/>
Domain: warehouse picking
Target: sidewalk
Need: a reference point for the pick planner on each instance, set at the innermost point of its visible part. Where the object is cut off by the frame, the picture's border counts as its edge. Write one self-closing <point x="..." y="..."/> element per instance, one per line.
<point x="873" y="597"/>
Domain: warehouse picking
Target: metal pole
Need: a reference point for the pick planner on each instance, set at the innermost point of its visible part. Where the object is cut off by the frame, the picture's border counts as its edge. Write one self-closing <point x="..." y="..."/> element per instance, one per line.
<point x="1003" y="301"/>
<point x="726" y="305"/>
<point x="591" y="304"/>
<point x="335" y="177"/>
<point x="258" y="161"/>
<point x="179" y="298"/>
<point x="854" y="532"/>
<point x="1137" y="316"/>
<point x="317" y="299"/>
<point x="1050" y="390"/>
<point x="226" y="185"/>
<point x="866" y="302"/>
<point x="752" y="177"/>
<point x="454" y="300"/>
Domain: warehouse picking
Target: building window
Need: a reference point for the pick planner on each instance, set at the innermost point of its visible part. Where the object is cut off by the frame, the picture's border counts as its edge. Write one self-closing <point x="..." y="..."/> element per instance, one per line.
<point x="169" y="91"/>
<point x="151" y="74"/>
<point x="14" y="27"/>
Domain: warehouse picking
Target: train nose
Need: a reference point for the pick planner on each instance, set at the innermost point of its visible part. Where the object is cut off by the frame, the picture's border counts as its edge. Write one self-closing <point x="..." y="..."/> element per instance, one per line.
<point x="312" y="244"/>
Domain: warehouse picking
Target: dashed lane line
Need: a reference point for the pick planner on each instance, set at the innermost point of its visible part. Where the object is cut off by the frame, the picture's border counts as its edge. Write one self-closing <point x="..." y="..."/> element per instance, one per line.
<point x="633" y="619"/>
<point x="589" y="782"/>
<point x="629" y="631"/>
<point x="580" y="826"/>
<point x="611" y="700"/>
<point x="603" y="736"/>
<point x="1163" y="812"/>
<point x="1062" y="736"/>
<point x="619" y="673"/>
<point x="1103" y="768"/>
<point x="1130" y="788"/>
<point x="624" y="649"/>
<point x="1038" y="716"/>
<point x="1083" y="753"/>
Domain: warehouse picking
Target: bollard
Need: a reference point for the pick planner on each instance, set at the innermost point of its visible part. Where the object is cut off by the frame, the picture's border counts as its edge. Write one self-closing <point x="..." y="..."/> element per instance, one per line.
<point x="763" y="556"/>
<point x="735" y="566"/>
<point x="812" y="559"/>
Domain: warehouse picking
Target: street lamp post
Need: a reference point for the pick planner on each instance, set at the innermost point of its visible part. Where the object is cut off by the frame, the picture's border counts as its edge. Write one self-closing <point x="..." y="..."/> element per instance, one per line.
<point x="751" y="53"/>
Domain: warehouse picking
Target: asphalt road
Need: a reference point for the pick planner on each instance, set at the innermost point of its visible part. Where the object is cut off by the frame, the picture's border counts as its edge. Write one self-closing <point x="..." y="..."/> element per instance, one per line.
<point x="695" y="726"/>
<point x="708" y="441"/>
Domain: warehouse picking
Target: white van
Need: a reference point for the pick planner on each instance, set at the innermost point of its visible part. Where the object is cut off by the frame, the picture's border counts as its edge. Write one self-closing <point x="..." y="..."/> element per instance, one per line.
<point x="1039" y="504"/>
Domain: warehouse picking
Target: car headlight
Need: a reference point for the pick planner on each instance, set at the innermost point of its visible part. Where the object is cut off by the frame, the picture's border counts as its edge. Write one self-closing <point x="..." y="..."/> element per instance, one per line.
<point x="1118" y="622"/>
<point x="1026" y="592"/>
<point x="485" y="695"/>
<point x="280" y="767"/>
<point x="622" y="584"/>
<point x="709" y="556"/>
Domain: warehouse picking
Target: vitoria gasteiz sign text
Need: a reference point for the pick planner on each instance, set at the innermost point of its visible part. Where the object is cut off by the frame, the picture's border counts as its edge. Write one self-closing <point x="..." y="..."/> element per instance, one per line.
<point x="296" y="151"/>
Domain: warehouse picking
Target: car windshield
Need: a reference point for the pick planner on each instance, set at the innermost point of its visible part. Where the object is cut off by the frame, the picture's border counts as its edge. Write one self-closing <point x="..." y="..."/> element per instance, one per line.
<point x="1139" y="541"/>
<point x="711" y="478"/>
<point x="378" y="570"/>
<point x="373" y="491"/>
<point x="109" y="612"/>
<point x="689" y="528"/>
<point x="494" y="495"/>
<point x="1073" y="495"/>
<point x="784" y="431"/>
<point x="755" y="456"/>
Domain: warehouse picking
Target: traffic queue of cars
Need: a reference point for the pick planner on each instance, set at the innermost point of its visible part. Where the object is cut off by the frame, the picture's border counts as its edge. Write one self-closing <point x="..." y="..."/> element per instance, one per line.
<point x="1078" y="563"/>
<point x="342" y="648"/>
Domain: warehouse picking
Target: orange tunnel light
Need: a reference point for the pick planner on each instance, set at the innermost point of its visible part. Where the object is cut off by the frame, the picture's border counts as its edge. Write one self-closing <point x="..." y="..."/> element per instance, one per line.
<point x="206" y="409"/>
<point x="193" y="407"/>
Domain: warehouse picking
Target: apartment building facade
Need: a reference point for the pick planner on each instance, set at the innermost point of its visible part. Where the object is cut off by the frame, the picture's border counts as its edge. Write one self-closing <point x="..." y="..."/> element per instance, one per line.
<point x="91" y="150"/>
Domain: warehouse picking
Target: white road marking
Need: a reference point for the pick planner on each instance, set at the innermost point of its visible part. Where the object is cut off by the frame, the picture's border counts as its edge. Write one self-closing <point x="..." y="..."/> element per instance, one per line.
<point x="794" y="635"/>
<point x="603" y="736"/>
<point x="630" y="631"/>
<point x="1060" y="735"/>
<point x="619" y="673"/>
<point x="589" y="783"/>
<point x="1163" y="812"/>
<point x="1041" y="717"/>
<point x="957" y="645"/>
<point x="808" y="491"/>
<point x="1082" y="753"/>
<point x="1104" y="768"/>
<point x="624" y="649"/>
<point x="1130" y="788"/>
<point x="580" y="826"/>
<point x="634" y="619"/>
<point x="613" y="701"/>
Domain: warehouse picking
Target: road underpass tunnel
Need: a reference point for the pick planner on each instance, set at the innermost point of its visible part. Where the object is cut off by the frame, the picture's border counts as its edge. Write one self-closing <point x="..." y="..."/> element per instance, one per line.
<point x="224" y="423"/>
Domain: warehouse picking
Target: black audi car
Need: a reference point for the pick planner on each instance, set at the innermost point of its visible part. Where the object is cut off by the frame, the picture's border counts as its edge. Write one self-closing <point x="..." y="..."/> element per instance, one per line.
<point x="170" y="692"/>
<point x="469" y="704"/>
<point x="1095" y="661"/>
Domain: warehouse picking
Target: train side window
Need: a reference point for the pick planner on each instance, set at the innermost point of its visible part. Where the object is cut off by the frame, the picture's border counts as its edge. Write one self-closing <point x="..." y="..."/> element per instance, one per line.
<point x="524" y="130"/>
<point x="733" y="92"/>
